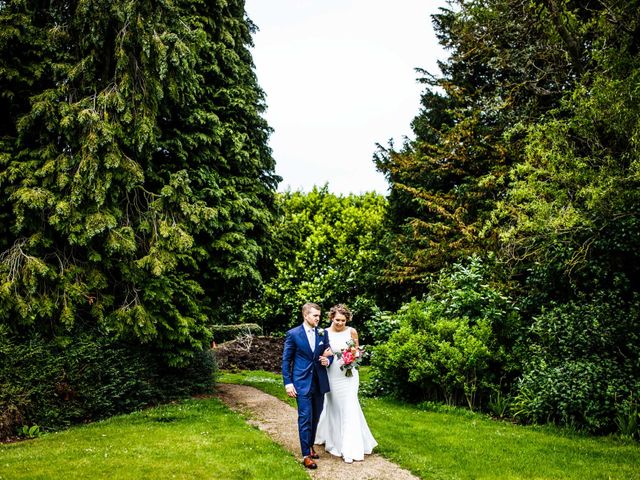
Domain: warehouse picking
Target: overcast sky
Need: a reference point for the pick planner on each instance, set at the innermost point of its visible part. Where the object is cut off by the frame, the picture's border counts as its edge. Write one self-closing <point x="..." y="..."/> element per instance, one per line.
<point x="340" y="77"/>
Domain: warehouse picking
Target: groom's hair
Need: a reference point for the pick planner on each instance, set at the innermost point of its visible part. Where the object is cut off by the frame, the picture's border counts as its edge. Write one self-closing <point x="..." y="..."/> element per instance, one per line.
<point x="308" y="306"/>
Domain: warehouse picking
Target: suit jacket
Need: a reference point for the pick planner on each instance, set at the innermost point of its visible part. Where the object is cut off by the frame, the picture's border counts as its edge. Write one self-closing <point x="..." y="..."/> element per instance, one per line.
<point x="299" y="362"/>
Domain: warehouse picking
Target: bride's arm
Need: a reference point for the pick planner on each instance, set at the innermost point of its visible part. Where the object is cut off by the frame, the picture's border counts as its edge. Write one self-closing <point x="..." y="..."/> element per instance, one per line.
<point x="354" y="336"/>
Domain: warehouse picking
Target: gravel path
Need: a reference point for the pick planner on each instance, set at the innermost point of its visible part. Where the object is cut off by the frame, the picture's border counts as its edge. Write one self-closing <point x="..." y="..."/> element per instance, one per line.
<point x="279" y="421"/>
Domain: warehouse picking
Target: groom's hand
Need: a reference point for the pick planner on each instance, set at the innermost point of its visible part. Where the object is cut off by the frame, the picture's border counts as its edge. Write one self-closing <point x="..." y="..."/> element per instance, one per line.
<point x="324" y="361"/>
<point x="291" y="391"/>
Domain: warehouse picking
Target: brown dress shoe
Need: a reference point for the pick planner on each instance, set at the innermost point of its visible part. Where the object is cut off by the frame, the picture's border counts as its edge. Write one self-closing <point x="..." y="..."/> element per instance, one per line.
<point x="309" y="463"/>
<point x="314" y="455"/>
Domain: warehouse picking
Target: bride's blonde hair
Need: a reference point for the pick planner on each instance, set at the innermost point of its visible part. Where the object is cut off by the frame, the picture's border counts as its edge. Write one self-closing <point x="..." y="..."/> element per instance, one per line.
<point x="340" y="308"/>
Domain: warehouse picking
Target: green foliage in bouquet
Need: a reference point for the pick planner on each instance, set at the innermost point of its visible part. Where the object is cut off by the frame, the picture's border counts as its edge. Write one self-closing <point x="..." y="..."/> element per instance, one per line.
<point x="349" y="358"/>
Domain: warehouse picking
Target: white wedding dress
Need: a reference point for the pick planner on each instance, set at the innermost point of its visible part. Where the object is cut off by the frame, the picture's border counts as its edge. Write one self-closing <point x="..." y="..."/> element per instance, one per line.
<point x="342" y="427"/>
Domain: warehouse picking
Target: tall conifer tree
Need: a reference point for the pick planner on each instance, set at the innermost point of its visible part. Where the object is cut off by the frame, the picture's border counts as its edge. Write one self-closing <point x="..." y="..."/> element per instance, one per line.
<point x="510" y="62"/>
<point x="136" y="180"/>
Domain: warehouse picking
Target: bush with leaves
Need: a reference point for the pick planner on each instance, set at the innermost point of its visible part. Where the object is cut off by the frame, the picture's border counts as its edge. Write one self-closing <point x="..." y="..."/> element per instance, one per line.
<point x="582" y="368"/>
<point x="380" y="325"/>
<point x="454" y="344"/>
<point x="55" y="384"/>
<point x="569" y="225"/>
<point x="328" y="253"/>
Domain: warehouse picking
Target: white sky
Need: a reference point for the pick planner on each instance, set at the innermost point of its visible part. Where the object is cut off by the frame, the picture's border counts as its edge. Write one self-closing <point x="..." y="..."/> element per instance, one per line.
<point x="339" y="77"/>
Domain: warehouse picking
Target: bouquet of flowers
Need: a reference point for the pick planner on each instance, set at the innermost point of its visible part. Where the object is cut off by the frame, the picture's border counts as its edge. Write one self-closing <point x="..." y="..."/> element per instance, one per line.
<point x="350" y="357"/>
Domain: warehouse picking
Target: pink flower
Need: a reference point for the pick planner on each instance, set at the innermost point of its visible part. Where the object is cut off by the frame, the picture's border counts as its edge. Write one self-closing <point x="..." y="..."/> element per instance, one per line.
<point x="348" y="357"/>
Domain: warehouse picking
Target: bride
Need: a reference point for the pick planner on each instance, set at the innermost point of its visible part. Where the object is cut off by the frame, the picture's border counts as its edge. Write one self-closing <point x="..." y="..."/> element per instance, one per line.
<point x="342" y="427"/>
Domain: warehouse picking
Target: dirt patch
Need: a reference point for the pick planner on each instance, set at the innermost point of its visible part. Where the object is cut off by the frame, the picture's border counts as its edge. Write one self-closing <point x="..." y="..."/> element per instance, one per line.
<point x="279" y="421"/>
<point x="259" y="353"/>
<point x="13" y="440"/>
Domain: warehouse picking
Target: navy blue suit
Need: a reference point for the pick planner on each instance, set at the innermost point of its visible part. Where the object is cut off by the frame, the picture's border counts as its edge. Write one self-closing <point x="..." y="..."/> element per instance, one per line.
<point x="302" y="368"/>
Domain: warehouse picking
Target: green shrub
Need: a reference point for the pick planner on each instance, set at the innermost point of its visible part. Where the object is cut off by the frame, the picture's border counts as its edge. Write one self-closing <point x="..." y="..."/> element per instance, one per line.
<point x="583" y="363"/>
<point x="198" y="376"/>
<point x="56" y="383"/>
<point x="32" y="431"/>
<point x="453" y="345"/>
<point x="328" y="253"/>
<point x="450" y="356"/>
<point x="499" y="404"/>
<point x="380" y="325"/>
<point x="628" y="419"/>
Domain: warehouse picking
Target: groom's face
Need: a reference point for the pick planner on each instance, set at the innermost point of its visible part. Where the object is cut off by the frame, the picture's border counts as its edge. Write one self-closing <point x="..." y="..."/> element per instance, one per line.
<point x="312" y="317"/>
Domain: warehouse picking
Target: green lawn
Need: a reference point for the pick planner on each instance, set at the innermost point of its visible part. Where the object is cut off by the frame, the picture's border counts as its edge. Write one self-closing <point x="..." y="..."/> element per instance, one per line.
<point x="201" y="438"/>
<point x="267" y="382"/>
<point x="463" y="445"/>
<point x="194" y="439"/>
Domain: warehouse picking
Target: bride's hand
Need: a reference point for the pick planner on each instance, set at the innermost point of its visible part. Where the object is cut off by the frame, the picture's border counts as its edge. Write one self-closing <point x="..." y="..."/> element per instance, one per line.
<point x="327" y="353"/>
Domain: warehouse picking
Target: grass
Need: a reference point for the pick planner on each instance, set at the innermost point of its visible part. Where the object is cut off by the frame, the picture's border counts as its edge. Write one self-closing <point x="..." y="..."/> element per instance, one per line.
<point x="439" y="445"/>
<point x="458" y="444"/>
<point x="267" y="382"/>
<point x="193" y="439"/>
<point x="201" y="438"/>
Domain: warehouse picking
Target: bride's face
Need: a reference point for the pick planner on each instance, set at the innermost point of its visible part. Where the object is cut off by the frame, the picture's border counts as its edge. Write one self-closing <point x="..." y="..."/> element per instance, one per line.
<point x="339" y="322"/>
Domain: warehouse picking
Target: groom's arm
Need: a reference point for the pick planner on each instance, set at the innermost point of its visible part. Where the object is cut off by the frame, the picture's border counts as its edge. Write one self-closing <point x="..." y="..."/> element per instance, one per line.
<point x="328" y="342"/>
<point x="287" y="360"/>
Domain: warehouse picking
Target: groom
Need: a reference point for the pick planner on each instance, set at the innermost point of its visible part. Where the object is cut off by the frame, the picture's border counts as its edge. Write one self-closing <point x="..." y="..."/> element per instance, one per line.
<point x="304" y="361"/>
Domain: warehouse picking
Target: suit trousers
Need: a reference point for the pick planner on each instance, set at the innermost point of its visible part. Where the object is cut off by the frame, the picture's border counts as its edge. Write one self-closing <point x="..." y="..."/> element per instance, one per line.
<point x="309" y="410"/>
